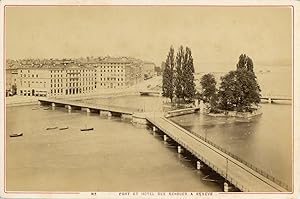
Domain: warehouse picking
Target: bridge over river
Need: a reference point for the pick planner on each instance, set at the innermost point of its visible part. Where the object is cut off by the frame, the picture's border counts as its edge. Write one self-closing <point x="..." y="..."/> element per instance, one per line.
<point x="236" y="172"/>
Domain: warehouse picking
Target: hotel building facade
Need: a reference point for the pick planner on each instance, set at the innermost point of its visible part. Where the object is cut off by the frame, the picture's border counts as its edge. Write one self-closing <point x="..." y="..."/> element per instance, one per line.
<point x="62" y="79"/>
<point x="55" y="81"/>
<point x="117" y="73"/>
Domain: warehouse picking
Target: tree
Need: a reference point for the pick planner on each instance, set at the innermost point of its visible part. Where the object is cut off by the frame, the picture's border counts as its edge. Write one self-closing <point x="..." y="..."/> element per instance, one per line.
<point x="188" y="75"/>
<point x="179" y="84"/>
<point x="228" y="91"/>
<point x="239" y="89"/>
<point x="245" y="62"/>
<point x="249" y="90"/>
<point x="168" y="76"/>
<point x="208" y="87"/>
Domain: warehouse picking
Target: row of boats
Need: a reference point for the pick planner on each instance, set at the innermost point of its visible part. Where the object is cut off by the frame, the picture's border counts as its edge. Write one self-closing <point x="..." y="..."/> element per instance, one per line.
<point x="55" y="127"/>
<point x="51" y="128"/>
<point x="66" y="127"/>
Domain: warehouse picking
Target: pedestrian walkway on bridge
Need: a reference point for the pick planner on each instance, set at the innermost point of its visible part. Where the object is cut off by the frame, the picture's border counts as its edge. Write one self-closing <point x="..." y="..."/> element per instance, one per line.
<point x="237" y="173"/>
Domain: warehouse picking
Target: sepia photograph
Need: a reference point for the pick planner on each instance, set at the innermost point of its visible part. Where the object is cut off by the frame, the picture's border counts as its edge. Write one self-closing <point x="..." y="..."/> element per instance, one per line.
<point x="148" y="100"/>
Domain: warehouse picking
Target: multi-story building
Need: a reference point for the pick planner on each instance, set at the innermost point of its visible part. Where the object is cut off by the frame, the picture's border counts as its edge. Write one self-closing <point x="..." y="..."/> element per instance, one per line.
<point x="148" y="69"/>
<point x="117" y="73"/>
<point x="56" y="80"/>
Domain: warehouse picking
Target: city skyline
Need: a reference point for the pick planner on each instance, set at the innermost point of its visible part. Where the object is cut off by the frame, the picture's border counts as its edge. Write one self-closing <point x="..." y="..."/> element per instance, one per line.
<point x="263" y="33"/>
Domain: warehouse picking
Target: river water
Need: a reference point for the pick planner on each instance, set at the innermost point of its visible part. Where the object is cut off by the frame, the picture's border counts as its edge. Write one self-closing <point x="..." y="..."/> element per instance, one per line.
<point x="117" y="156"/>
<point x="264" y="141"/>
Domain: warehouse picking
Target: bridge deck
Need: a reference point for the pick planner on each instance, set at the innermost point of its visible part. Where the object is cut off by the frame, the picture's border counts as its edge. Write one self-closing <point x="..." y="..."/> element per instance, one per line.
<point x="276" y="97"/>
<point x="92" y="106"/>
<point x="238" y="174"/>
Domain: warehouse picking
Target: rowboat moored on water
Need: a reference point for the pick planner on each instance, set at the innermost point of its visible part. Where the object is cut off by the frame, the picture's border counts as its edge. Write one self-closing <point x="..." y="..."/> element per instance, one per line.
<point x="63" y="128"/>
<point x="51" y="128"/>
<point x="87" y="129"/>
<point x="16" y="135"/>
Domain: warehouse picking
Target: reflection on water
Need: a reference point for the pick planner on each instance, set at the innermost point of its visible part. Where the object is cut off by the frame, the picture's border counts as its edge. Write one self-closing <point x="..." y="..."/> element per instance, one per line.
<point x="116" y="156"/>
<point x="264" y="141"/>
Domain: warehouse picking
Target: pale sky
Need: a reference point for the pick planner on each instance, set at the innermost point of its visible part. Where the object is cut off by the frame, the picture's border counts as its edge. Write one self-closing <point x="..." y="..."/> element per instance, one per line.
<point x="214" y="34"/>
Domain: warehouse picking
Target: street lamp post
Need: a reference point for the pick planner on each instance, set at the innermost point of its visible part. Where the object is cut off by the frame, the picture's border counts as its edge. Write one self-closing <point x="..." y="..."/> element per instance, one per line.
<point x="226" y="167"/>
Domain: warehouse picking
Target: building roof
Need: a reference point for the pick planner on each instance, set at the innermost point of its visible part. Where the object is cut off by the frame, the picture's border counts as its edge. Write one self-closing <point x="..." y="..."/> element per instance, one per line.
<point x="115" y="60"/>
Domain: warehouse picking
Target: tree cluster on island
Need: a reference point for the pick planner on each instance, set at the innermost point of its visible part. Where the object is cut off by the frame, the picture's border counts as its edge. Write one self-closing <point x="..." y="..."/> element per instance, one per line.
<point x="178" y="75"/>
<point x="238" y="90"/>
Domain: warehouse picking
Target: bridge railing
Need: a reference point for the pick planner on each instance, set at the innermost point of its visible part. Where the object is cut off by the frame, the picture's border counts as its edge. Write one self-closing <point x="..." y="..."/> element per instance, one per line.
<point x="107" y="106"/>
<point x="260" y="171"/>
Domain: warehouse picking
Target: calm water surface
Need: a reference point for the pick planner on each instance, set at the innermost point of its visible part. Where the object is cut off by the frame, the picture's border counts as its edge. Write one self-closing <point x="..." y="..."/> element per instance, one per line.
<point x="264" y="141"/>
<point x="116" y="156"/>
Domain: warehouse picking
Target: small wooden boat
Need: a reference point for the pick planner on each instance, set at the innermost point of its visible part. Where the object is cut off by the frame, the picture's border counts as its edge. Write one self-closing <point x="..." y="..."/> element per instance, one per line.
<point x="16" y="135"/>
<point x="63" y="128"/>
<point x="87" y="129"/>
<point x="51" y="128"/>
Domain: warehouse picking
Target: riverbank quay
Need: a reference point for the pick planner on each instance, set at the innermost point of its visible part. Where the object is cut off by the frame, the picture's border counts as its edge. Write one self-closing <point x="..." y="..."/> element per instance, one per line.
<point x="21" y="100"/>
<point x="205" y="109"/>
<point x="33" y="100"/>
<point x="236" y="114"/>
<point x="134" y="90"/>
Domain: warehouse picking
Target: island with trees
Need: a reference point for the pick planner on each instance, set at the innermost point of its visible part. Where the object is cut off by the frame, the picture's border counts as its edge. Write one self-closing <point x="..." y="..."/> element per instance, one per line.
<point x="238" y="93"/>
